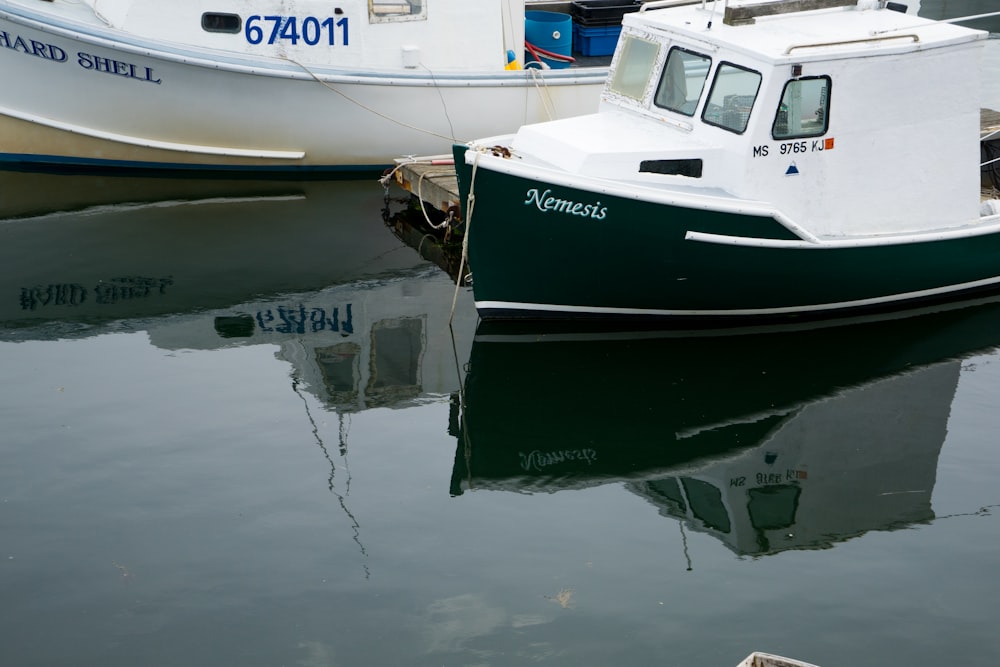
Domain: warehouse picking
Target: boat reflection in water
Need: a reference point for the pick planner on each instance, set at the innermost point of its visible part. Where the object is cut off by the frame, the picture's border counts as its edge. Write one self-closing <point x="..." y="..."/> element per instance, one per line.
<point x="389" y="342"/>
<point x="91" y="249"/>
<point x="308" y="267"/>
<point x="768" y="441"/>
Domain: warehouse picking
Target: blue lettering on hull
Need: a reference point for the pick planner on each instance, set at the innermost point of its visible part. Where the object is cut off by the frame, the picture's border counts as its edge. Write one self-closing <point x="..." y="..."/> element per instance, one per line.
<point x="87" y="61"/>
<point x="32" y="47"/>
<point x="117" y="67"/>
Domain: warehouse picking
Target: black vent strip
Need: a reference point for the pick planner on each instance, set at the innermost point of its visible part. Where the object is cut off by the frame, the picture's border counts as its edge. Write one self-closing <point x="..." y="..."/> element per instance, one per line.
<point x="689" y="167"/>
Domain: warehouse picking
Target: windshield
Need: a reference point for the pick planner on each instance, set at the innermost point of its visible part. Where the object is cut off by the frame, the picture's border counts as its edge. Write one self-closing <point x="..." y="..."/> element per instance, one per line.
<point x="636" y="60"/>
<point x="682" y="81"/>
<point x="734" y="91"/>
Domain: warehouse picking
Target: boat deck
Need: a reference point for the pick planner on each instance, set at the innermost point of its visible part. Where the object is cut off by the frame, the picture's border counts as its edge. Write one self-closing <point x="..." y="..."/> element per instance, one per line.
<point x="432" y="180"/>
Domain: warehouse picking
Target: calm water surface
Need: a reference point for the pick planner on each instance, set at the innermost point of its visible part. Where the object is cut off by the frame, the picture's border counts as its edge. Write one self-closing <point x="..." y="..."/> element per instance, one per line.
<point x="238" y="430"/>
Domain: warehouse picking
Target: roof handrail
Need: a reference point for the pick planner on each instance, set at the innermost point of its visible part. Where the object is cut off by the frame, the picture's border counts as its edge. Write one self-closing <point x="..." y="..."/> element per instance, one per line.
<point x="877" y="38"/>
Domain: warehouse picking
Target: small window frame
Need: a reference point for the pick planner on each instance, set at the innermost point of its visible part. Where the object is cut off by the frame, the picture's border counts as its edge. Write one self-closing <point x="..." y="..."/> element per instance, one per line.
<point x="222" y="22"/>
<point x="824" y="101"/>
<point x="628" y="67"/>
<point x="658" y="94"/>
<point x="745" y="115"/>
<point x="393" y="11"/>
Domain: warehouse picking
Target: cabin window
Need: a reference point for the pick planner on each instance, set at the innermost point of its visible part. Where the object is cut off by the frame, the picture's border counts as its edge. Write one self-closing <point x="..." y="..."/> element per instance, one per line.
<point x="383" y="11"/>
<point x="636" y="59"/>
<point x="216" y="22"/>
<point x="706" y="504"/>
<point x="682" y="81"/>
<point x="734" y="91"/>
<point x="804" y="110"/>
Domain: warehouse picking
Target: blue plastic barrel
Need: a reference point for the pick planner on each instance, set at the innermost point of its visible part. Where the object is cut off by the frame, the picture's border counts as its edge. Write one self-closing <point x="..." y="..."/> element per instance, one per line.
<point x="550" y="31"/>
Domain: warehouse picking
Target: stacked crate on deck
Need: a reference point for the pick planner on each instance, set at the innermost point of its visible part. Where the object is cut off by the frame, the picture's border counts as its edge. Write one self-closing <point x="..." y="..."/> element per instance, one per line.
<point x="598" y="23"/>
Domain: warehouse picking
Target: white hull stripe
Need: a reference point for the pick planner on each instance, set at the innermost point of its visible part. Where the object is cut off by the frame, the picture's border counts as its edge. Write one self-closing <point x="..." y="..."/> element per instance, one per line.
<point x="786" y="310"/>
<point x="153" y="143"/>
<point x="984" y="226"/>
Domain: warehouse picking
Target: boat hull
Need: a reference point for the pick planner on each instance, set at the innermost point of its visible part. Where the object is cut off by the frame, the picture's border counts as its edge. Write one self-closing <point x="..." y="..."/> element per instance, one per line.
<point x="549" y="251"/>
<point x="93" y="100"/>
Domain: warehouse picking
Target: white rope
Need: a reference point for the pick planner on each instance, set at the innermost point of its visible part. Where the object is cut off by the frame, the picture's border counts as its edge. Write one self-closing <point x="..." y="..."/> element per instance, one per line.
<point x="420" y="196"/>
<point x="543" y="91"/>
<point x="469" y="206"/>
<point x="367" y="108"/>
<point x="385" y="178"/>
<point x="444" y="105"/>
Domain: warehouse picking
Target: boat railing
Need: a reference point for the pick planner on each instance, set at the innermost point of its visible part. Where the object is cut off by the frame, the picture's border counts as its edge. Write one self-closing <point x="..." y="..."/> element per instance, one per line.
<point x="818" y="45"/>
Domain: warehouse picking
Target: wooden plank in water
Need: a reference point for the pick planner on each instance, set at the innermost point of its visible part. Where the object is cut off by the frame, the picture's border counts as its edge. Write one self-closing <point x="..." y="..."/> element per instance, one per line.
<point x="432" y="180"/>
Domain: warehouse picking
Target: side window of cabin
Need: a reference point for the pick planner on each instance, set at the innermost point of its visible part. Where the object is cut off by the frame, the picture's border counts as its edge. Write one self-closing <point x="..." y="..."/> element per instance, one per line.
<point x="804" y="110"/>
<point x="682" y="81"/>
<point x="634" y="67"/>
<point x="384" y="11"/>
<point x="734" y="91"/>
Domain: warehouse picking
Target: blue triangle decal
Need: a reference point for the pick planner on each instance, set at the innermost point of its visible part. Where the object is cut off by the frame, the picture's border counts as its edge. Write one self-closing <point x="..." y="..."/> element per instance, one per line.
<point x="792" y="169"/>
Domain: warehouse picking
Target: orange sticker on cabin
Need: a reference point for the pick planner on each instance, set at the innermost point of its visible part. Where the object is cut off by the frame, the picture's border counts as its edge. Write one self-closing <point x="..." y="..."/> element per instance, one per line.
<point x="828" y="144"/>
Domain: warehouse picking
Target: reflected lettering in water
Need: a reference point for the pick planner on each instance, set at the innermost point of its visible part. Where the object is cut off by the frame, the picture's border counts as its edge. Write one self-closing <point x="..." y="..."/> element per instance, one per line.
<point x="96" y="249"/>
<point x="105" y="292"/>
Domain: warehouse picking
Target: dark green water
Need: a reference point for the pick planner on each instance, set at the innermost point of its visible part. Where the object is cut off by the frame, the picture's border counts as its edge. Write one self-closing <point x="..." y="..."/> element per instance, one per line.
<point x="238" y="430"/>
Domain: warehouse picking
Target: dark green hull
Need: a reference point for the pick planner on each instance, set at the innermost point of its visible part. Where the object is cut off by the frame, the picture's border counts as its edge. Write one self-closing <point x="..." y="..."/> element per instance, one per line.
<point x="630" y="258"/>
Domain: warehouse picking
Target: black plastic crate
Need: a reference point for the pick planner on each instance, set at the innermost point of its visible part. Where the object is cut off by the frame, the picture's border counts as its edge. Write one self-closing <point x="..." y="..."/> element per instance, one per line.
<point x="602" y="12"/>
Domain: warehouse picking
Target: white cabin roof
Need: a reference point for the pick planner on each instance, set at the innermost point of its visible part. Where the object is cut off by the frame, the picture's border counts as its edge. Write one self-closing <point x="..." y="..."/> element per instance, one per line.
<point x="786" y="37"/>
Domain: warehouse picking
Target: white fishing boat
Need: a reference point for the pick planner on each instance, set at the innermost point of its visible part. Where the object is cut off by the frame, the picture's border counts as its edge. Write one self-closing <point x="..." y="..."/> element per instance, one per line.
<point x="804" y="158"/>
<point x="272" y="85"/>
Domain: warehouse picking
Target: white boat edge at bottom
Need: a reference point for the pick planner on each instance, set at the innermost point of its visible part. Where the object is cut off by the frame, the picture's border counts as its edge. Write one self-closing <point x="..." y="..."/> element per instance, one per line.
<point x="760" y="659"/>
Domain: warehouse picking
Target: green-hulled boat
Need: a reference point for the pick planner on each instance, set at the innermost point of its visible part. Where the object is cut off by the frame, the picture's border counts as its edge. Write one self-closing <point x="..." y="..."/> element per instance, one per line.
<point x="805" y="158"/>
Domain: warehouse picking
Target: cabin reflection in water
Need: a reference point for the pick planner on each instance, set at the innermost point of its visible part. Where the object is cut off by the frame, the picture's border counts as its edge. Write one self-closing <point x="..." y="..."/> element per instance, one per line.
<point x="353" y="347"/>
<point x="392" y="369"/>
<point x="381" y="366"/>
<point x="736" y="438"/>
<point x="865" y="459"/>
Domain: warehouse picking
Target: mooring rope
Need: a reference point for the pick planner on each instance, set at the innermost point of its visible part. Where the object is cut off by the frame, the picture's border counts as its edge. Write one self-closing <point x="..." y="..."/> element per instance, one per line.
<point x="389" y="175"/>
<point x="470" y="205"/>
<point x="543" y="92"/>
<point x="367" y="108"/>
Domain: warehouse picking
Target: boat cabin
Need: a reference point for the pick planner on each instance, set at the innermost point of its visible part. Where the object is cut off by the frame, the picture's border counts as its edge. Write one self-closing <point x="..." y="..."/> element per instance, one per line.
<point x="849" y="117"/>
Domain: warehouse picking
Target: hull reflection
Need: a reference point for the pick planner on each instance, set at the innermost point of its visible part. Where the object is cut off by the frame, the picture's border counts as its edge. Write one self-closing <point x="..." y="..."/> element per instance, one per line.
<point x="93" y="249"/>
<point x="768" y="441"/>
